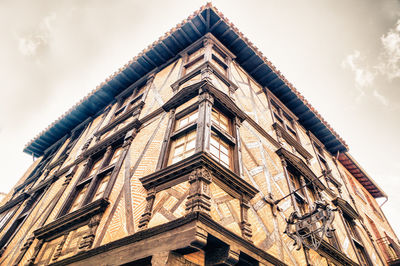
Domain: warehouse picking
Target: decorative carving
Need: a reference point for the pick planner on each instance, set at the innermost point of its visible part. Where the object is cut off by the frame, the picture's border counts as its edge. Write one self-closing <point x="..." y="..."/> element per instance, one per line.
<point x="310" y="228"/>
<point x="38" y="246"/>
<point x="146" y="216"/>
<point x="87" y="144"/>
<point x="199" y="198"/>
<point x="87" y="240"/>
<point x="245" y="226"/>
<point x="206" y="73"/>
<point x="59" y="248"/>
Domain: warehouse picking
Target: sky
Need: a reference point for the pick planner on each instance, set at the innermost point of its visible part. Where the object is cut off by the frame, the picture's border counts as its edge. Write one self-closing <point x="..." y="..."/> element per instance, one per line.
<point x="343" y="56"/>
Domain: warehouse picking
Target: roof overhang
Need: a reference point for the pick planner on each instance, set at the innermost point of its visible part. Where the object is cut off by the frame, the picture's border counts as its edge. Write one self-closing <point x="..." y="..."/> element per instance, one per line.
<point x="361" y="175"/>
<point x="168" y="47"/>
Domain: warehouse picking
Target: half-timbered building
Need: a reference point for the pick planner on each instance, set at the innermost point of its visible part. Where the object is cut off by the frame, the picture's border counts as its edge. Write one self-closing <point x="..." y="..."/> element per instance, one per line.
<point x="197" y="152"/>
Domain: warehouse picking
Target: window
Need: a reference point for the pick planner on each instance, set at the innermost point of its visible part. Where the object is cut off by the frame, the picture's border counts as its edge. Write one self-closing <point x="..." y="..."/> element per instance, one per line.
<point x="220" y="120"/>
<point x="283" y="119"/>
<point x="93" y="182"/>
<point x="183" y="147"/>
<point x="219" y="60"/>
<point x="220" y="150"/>
<point x="184" y="137"/>
<point x="355" y="188"/>
<point x="128" y="102"/>
<point x="305" y="195"/>
<point x="221" y="141"/>
<point x="360" y="250"/>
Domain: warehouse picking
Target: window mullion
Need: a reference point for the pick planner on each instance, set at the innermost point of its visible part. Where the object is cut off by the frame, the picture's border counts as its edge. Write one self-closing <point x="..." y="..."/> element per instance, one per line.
<point x="204" y="123"/>
<point x="93" y="182"/>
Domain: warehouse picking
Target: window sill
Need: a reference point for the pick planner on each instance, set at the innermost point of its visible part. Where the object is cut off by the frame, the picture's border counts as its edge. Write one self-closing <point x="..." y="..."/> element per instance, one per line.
<point x="68" y="221"/>
<point x="292" y="141"/>
<point x="179" y="172"/>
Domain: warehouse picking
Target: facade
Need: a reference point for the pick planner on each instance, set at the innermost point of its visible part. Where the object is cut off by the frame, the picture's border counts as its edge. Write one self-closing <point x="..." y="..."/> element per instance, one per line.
<point x="196" y="152"/>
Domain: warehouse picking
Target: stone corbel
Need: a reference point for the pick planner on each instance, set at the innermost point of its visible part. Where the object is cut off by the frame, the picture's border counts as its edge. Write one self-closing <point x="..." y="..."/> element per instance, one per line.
<point x="38" y="246"/>
<point x="245" y="226"/>
<point x="206" y="73"/>
<point x="87" y="240"/>
<point x="222" y="255"/>
<point x="146" y="216"/>
<point x="199" y="198"/>
<point x="59" y="248"/>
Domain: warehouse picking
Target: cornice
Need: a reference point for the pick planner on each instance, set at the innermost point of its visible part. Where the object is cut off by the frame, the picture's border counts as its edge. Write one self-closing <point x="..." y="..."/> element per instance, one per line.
<point x="346" y="208"/>
<point x="180" y="171"/>
<point x="298" y="163"/>
<point x="190" y="221"/>
<point x="330" y="251"/>
<point x="69" y="220"/>
<point x="14" y="202"/>
<point x="292" y="141"/>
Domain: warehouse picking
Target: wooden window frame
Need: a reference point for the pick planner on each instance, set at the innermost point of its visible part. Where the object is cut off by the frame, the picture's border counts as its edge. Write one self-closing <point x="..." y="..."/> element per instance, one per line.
<point x="93" y="180"/>
<point x="357" y="241"/>
<point x="178" y="132"/>
<point x="305" y="197"/>
<point x="284" y="117"/>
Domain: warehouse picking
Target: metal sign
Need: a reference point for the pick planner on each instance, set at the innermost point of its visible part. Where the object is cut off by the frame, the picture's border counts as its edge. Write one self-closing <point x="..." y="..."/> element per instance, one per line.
<point x="310" y="229"/>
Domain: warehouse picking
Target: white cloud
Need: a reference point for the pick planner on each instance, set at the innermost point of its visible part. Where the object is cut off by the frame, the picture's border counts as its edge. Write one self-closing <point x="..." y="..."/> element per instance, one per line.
<point x="362" y="76"/>
<point x="390" y="57"/>
<point x="36" y="41"/>
<point x="381" y="98"/>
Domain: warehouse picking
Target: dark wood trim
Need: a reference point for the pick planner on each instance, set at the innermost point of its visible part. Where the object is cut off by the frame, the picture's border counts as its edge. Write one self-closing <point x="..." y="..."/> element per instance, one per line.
<point x="346" y="208"/>
<point x="176" y="229"/>
<point x="292" y="141"/>
<point x="239" y="241"/>
<point x="262" y="131"/>
<point x="135" y="111"/>
<point x="12" y="203"/>
<point x="328" y="250"/>
<point x="183" y="235"/>
<point x="67" y="221"/>
<point x="169" y="175"/>
<point x="300" y="166"/>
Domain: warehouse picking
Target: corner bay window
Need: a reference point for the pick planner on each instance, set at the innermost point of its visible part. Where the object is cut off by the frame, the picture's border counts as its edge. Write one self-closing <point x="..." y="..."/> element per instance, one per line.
<point x="93" y="182"/>
<point x="185" y="134"/>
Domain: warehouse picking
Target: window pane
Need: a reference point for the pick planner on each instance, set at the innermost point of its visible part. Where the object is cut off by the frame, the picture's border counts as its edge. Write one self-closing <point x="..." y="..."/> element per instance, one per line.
<point x="116" y="155"/>
<point x="101" y="188"/>
<point x="183" y="147"/>
<point x="79" y="197"/>
<point x="179" y="150"/>
<point x="95" y="167"/>
<point x="220" y="119"/>
<point x="191" y="144"/>
<point x="193" y="117"/>
<point x="214" y="151"/>
<point x="220" y="150"/>
<point x="186" y="120"/>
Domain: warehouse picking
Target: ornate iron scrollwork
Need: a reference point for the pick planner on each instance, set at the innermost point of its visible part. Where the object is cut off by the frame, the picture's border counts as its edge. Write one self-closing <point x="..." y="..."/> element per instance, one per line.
<point x="310" y="229"/>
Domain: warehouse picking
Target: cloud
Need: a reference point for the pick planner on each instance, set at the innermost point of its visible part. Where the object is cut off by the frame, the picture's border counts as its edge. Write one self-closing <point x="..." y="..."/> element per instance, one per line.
<point x="381" y="98"/>
<point x="389" y="64"/>
<point x="35" y="42"/>
<point x="362" y="76"/>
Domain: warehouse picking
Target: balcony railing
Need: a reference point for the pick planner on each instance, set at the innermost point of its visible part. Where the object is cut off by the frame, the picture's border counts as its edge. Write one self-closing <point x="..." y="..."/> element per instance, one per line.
<point x="390" y="249"/>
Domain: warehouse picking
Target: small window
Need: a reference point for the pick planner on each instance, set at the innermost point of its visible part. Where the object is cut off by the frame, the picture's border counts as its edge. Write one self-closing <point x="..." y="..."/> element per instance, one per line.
<point x="183" y="147"/>
<point x="94" y="181"/>
<point x="283" y="119"/>
<point x="220" y="150"/>
<point x="219" y="119"/>
<point x="81" y="190"/>
<point x="186" y="120"/>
